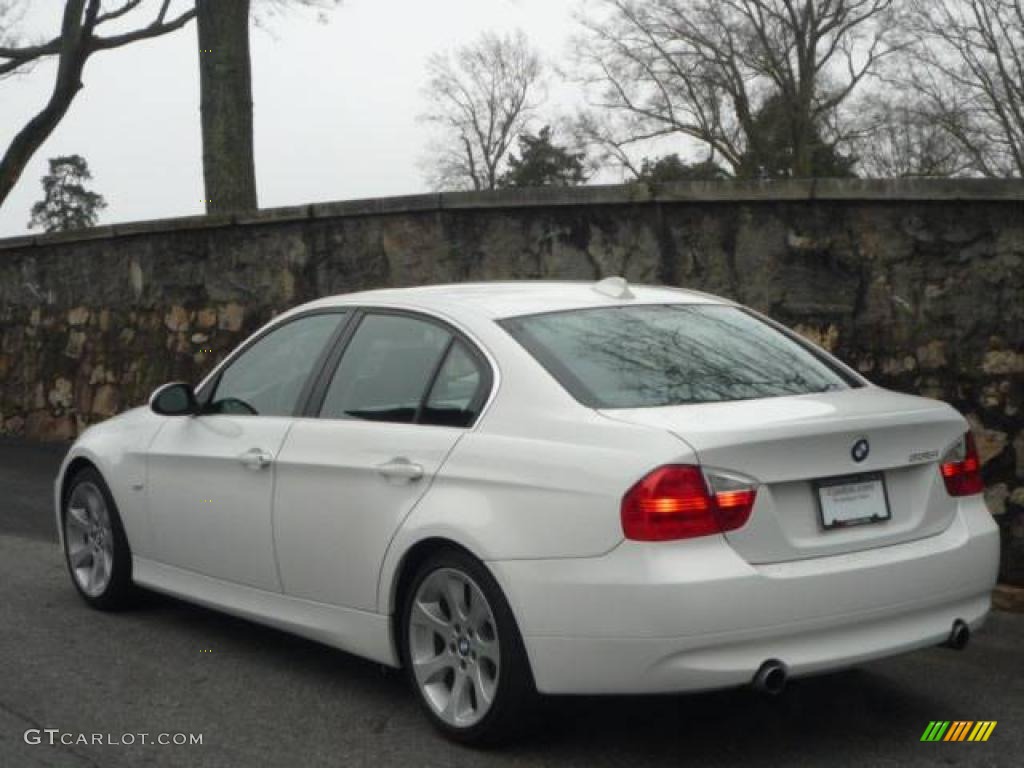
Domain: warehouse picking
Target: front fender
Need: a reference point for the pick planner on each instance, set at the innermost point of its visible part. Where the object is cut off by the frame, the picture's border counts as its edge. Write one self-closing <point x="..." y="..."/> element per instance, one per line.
<point x="117" y="448"/>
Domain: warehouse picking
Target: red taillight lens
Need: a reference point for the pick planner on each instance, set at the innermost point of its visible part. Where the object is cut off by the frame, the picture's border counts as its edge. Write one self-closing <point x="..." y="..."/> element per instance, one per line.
<point x="961" y="468"/>
<point x="675" y="502"/>
<point x="733" y="508"/>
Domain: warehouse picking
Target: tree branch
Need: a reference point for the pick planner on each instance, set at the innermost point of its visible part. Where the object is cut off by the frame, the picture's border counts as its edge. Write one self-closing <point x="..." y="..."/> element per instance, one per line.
<point x="76" y="43"/>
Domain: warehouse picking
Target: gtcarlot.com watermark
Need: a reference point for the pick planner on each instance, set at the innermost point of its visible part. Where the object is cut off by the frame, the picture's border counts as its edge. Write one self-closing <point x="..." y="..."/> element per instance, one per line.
<point x="55" y="736"/>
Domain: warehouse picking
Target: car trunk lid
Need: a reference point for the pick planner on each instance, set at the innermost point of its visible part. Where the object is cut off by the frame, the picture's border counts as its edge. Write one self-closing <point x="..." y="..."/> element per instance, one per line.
<point x="789" y="443"/>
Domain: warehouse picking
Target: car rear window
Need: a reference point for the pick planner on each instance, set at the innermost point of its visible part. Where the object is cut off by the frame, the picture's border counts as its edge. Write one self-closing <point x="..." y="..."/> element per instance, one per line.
<point x="675" y="354"/>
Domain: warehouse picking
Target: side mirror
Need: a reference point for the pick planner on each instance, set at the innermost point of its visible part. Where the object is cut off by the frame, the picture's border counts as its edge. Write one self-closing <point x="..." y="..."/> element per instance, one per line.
<point x="175" y="399"/>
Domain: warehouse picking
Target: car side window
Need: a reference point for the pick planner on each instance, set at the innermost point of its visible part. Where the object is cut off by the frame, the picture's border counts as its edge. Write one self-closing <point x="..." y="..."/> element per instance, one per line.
<point x="386" y="369"/>
<point x="267" y="378"/>
<point x="455" y="398"/>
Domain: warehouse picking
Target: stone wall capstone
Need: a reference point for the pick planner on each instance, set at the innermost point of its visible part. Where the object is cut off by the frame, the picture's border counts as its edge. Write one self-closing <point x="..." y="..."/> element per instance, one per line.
<point x="918" y="284"/>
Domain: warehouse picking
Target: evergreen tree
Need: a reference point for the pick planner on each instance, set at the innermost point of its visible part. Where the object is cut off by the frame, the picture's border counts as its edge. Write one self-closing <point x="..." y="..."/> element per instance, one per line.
<point x="66" y="203"/>
<point x="771" y="155"/>
<point x="542" y="163"/>
<point x="669" y="168"/>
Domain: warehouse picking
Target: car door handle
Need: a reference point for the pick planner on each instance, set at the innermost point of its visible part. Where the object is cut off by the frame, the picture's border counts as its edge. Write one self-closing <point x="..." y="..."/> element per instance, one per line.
<point x="256" y="458"/>
<point x="401" y="469"/>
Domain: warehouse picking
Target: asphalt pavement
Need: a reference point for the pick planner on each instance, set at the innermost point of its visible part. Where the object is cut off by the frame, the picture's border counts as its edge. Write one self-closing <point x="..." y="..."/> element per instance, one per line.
<point x="258" y="697"/>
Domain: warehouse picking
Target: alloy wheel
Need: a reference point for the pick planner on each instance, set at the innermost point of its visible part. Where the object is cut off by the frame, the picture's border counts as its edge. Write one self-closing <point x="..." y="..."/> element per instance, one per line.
<point x="454" y="647"/>
<point x="89" y="539"/>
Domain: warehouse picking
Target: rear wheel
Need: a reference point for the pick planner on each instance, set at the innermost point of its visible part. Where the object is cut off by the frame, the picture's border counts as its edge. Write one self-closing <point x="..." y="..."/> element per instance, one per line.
<point x="95" y="547"/>
<point x="463" y="653"/>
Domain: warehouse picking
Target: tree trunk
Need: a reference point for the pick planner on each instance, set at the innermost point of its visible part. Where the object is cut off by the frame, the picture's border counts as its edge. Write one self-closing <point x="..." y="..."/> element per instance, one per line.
<point x="802" y="159"/>
<point x="225" y="83"/>
<point x="803" y="132"/>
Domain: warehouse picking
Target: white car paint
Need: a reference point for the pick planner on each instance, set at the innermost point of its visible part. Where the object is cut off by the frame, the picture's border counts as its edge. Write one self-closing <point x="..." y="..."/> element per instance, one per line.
<point x="208" y="512"/>
<point x="695" y="615"/>
<point x="315" y="542"/>
<point x="784" y="441"/>
<point x="329" y="477"/>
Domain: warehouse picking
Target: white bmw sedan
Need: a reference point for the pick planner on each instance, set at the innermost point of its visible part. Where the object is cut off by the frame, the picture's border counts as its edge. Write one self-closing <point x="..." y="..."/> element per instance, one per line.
<point x="514" y="488"/>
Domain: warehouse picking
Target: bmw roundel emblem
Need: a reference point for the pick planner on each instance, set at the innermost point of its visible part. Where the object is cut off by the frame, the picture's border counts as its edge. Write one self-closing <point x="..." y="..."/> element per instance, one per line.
<point x="860" y="450"/>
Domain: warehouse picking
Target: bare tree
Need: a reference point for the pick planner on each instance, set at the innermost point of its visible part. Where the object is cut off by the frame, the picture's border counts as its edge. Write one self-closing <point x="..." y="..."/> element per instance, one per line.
<point x="967" y="77"/>
<point x="225" y="78"/>
<point x="705" y="69"/>
<point x="11" y="14"/>
<point x="907" y="142"/>
<point x="78" y="40"/>
<point x="481" y="100"/>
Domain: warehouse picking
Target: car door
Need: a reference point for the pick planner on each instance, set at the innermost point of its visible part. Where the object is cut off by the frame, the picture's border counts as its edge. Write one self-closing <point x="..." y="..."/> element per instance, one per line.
<point x="403" y="391"/>
<point x="211" y="476"/>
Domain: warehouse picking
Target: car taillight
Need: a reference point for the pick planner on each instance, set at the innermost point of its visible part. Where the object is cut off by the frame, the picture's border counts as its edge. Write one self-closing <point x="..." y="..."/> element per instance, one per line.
<point x="681" y="501"/>
<point x="961" y="468"/>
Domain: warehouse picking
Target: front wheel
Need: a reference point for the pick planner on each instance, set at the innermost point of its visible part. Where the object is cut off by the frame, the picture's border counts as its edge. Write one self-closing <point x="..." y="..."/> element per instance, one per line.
<point x="463" y="652"/>
<point x="95" y="546"/>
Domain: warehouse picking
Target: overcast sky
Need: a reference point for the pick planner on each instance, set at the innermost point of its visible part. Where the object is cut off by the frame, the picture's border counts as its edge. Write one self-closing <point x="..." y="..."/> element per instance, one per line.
<point x="335" y="104"/>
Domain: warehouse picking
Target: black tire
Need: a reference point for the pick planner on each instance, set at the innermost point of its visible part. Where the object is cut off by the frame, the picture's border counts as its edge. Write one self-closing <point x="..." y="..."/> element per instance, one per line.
<point x="512" y="709"/>
<point x="119" y="592"/>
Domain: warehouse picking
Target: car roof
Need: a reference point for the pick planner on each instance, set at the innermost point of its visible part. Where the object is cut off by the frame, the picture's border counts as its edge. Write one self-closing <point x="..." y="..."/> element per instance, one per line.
<point x="519" y="297"/>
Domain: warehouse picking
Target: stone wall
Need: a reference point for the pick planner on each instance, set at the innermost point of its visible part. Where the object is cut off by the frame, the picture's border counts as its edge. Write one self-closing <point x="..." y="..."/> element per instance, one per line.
<point x="920" y="285"/>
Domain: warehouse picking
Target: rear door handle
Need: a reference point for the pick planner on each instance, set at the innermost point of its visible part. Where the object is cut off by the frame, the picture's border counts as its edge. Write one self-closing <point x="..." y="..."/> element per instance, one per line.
<point x="401" y="469"/>
<point x="256" y="458"/>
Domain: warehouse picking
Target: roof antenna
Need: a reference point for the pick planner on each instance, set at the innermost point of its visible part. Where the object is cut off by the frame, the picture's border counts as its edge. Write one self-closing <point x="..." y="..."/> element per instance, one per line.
<point x="614" y="287"/>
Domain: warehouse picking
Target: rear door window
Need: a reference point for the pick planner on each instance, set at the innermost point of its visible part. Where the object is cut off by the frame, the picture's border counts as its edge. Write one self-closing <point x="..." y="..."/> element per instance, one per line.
<point x="458" y="392"/>
<point x="386" y="369"/>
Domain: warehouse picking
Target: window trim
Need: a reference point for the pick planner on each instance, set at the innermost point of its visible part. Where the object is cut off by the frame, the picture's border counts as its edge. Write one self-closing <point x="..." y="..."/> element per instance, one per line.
<point x="208" y="388"/>
<point x="580" y="392"/>
<point x="432" y="381"/>
<point x="318" y="391"/>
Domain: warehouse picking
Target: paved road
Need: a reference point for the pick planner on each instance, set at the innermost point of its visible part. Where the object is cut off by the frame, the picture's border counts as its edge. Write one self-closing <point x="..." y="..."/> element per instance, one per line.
<point x="27" y="471"/>
<point x="262" y="698"/>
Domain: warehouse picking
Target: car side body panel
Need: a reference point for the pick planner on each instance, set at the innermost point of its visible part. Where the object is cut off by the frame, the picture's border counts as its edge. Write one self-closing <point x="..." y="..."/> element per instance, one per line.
<point x="117" y="448"/>
<point x="363" y="633"/>
<point x="335" y="513"/>
<point x="550" y="492"/>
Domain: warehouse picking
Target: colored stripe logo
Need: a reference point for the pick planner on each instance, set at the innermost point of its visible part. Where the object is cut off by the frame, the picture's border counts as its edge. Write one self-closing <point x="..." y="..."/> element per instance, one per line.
<point x="959" y="730"/>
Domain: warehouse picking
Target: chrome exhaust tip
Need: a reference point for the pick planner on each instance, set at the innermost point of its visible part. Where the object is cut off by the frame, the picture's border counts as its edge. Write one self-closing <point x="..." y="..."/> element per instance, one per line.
<point x="771" y="677"/>
<point x="959" y="635"/>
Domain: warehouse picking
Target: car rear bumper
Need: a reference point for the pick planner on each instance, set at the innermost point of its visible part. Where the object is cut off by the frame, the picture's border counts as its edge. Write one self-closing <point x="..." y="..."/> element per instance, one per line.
<point x="693" y="615"/>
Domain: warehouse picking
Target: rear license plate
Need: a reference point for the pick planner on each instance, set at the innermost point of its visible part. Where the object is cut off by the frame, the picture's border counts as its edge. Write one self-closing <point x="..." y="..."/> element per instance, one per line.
<point x="852" y="500"/>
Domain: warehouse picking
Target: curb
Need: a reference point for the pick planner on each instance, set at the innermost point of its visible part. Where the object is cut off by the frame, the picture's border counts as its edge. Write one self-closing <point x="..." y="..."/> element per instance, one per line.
<point x="1007" y="598"/>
